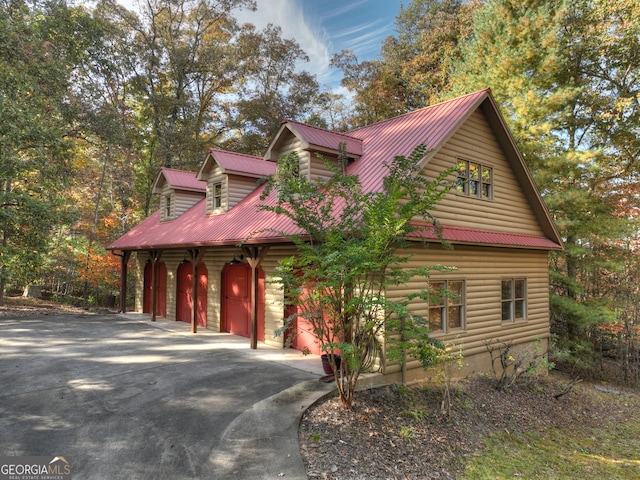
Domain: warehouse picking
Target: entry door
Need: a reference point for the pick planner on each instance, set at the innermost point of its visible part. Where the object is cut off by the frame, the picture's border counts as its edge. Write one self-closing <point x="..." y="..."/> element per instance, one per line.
<point x="301" y="332"/>
<point x="236" y="306"/>
<point x="185" y="297"/>
<point x="185" y="294"/>
<point x="237" y="288"/>
<point x="203" y="281"/>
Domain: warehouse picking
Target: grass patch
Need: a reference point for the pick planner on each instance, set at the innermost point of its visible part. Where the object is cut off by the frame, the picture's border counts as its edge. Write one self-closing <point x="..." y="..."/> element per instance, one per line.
<point x="612" y="453"/>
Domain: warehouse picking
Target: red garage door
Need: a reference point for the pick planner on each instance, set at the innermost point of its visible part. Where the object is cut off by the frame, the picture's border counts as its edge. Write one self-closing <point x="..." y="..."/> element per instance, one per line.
<point x="236" y="300"/>
<point x="184" y="299"/>
<point x="161" y="294"/>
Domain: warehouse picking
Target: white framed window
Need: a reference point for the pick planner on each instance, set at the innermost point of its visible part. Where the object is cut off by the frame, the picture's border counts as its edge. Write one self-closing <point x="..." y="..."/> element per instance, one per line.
<point x="167" y="207"/>
<point x="474" y="179"/>
<point x="446" y="305"/>
<point x="216" y="192"/>
<point x="514" y="299"/>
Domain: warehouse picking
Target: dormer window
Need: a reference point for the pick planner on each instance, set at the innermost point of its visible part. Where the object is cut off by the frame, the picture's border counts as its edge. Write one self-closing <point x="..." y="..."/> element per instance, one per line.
<point x="167" y="207"/>
<point x="217" y="195"/>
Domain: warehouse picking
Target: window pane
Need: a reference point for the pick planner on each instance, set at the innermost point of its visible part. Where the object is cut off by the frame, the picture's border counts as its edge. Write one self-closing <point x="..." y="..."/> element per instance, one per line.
<point x="519" y="304"/>
<point x="455" y="291"/>
<point x="506" y="311"/>
<point x="461" y="167"/>
<point x="519" y="284"/>
<point x="506" y="290"/>
<point x="455" y="317"/>
<point x="486" y="174"/>
<point x="435" y="294"/>
<point x="486" y="190"/>
<point x="461" y="183"/>
<point x="435" y="318"/>
<point x="474" y="171"/>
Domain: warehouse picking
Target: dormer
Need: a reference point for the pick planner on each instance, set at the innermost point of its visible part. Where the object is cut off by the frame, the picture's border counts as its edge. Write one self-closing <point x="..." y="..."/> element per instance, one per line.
<point x="179" y="191"/>
<point x="313" y="145"/>
<point x="230" y="177"/>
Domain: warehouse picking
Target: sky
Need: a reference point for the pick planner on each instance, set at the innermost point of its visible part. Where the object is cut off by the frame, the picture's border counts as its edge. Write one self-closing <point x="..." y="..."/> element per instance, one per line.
<point x="325" y="27"/>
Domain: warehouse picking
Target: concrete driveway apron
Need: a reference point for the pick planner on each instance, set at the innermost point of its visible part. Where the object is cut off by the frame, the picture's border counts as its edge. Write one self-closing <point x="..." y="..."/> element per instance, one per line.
<point x="124" y="399"/>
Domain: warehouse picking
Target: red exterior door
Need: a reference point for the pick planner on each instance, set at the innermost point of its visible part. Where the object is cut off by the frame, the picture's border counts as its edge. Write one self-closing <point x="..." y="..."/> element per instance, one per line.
<point x="202" y="295"/>
<point x="236" y="307"/>
<point x="301" y="332"/>
<point x="185" y="298"/>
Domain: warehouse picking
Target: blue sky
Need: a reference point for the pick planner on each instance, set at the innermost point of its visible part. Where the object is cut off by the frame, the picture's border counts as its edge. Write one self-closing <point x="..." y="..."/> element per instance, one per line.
<point x="325" y="27"/>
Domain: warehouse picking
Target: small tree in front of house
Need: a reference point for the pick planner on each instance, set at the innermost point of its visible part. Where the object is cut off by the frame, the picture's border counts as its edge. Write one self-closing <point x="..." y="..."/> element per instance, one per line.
<point x="351" y="248"/>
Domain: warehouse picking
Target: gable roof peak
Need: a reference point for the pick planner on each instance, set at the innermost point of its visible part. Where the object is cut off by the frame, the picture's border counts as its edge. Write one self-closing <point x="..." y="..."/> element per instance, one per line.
<point x="178" y="180"/>
<point x="477" y="95"/>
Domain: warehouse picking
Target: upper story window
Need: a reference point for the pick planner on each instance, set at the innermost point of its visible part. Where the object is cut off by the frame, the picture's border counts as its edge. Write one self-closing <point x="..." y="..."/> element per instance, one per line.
<point x="217" y="195"/>
<point x="514" y="300"/>
<point x="167" y="207"/>
<point x="474" y="179"/>
<point x="446" y="305"/>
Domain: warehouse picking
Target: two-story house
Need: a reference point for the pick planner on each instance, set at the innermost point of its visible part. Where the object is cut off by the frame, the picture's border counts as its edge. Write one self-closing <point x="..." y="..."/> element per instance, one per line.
<point x="190" y="265"/>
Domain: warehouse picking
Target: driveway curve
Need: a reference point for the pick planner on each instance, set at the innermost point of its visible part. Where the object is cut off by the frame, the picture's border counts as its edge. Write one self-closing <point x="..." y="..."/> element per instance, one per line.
<point x="125" y="398"/>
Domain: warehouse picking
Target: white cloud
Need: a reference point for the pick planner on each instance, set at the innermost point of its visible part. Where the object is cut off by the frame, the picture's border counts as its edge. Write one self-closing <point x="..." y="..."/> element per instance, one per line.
<point x="296" y="24"/>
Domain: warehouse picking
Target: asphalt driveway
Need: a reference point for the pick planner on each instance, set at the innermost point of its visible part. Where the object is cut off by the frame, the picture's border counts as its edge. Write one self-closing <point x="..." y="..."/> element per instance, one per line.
<point x="124" y="399"/>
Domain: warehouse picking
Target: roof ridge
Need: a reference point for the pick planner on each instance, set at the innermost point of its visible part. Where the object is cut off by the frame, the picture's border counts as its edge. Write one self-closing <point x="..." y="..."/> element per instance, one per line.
<point x="254" y="157"/>
<point x="177" y="170"/>
<point x="420" y="109"/>
<point x="322" y="129"/>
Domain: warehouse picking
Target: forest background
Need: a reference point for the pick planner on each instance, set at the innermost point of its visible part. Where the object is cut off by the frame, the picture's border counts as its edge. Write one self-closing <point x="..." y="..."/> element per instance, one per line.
<point x="94" y="100"/>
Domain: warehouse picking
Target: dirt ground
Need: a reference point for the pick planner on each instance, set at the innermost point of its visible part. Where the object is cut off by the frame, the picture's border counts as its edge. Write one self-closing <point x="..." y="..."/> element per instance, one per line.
<point x="17" y="306"/>
<point x="401" y="433"/>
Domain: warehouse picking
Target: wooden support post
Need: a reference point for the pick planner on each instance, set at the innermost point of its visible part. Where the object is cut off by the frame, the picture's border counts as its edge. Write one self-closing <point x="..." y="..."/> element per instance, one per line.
<point x="254" y="256"/>
<point x="155" y="260"/>
<point x="195" y="257"/>
<point x="124" y="261"/>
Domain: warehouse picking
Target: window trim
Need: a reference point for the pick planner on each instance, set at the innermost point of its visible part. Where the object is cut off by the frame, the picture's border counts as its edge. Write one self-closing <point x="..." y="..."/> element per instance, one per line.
<point x="215" y="204"/>
<point x="463" y="181"/>
<point x="445" y="308"/>
<point x="513" y="300"/>
<point x="167" y="207"/>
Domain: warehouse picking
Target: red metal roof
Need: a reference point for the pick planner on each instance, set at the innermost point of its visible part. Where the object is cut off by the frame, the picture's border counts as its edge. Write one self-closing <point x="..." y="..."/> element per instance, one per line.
<point x="430" y="126"/>
<point x="243" y="164"/>
<point x="181" y="180"/>
<point x="320" y="137"/>
<point x="486" y="237"/>
<point x="378" y="142"/>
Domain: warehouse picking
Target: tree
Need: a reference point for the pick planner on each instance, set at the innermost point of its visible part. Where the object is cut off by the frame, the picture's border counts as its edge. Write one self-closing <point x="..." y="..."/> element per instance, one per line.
<point x="272" y="90"/>
<point x="566" y="76"/>
<point x="414" y="65"/>
<point x="350" y="249"/>
<point x="36" y="117"/>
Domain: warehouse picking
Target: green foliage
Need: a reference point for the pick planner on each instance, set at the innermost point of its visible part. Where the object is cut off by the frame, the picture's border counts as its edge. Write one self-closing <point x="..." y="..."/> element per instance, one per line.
<point x="509" y="366"/>
<point x="350" y="245"/>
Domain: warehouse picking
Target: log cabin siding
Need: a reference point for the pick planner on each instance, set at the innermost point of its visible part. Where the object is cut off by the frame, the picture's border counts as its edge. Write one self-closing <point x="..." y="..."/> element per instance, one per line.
<point x="274" y="296"/>
<point x="482" y="270"/>
<point x="318" y="169"/>
<point x="238" y="188"/>
<point x="183" y="201"/>
<point x="508" y="210"/>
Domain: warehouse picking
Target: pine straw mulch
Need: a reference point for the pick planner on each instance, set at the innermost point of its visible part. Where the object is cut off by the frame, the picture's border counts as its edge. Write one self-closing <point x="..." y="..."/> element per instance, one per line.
<point x="401" y="433"/>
